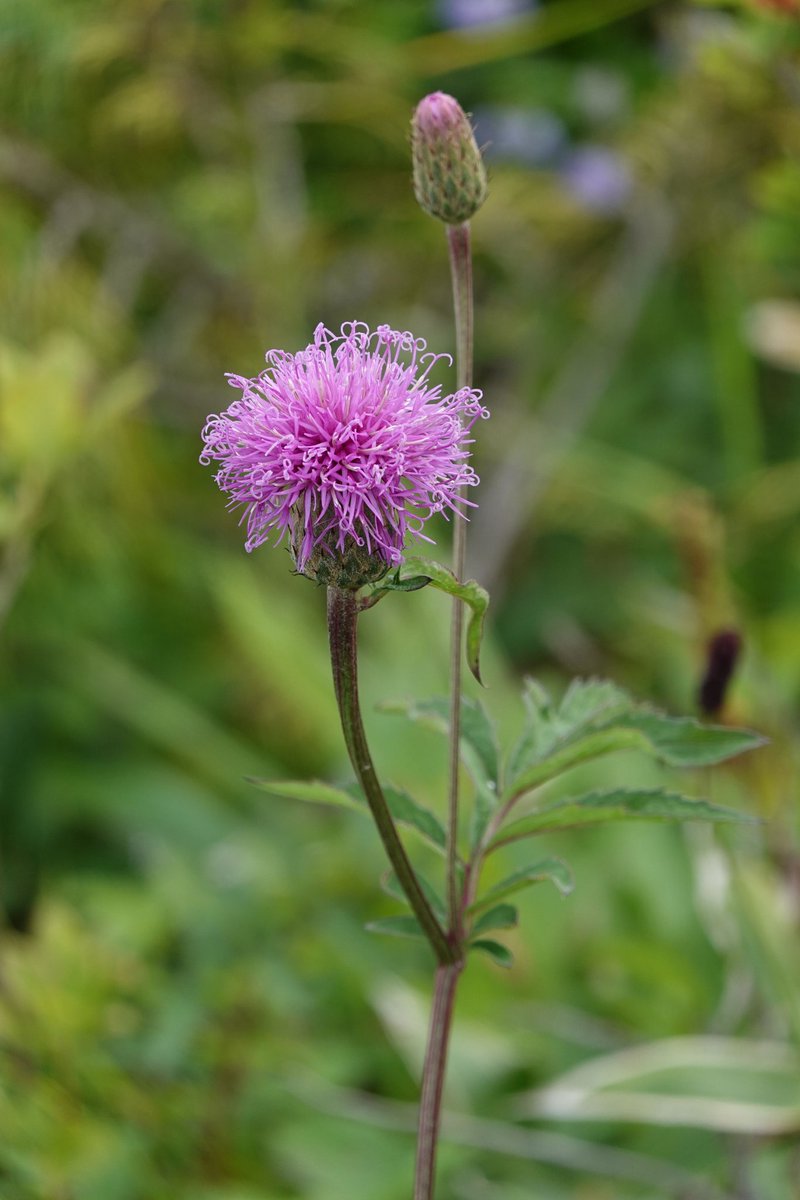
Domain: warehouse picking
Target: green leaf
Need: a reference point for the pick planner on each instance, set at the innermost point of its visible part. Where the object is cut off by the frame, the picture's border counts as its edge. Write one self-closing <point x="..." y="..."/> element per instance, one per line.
<point x="403" y="807"/>
<point x="409" y="812"/>
<point x="539" y="734"/>
<point x="390" y="583"/>
<point x="393" y="583"/>
<point x="553" y="869"/>
<point x="478" y="745"/>
<point x="401" y="926"/>
<point x="620" y="805"/>
<point x="502" y="916"/>
<point x="586" y="700"/>
<point x="313" y="791"/>
<point x="563" y="756"/>
<point x="684" y="742"/>
<point x="391" y="885"/>
<point x="583" y="703"/>
<point x="499" y="954"/>
<point x="476" y="597"/>
<point x="596" y="717"/>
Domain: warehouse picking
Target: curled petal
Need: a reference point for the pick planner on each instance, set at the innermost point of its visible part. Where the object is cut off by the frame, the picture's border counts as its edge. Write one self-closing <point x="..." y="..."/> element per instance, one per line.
<point x="344" y="443"/>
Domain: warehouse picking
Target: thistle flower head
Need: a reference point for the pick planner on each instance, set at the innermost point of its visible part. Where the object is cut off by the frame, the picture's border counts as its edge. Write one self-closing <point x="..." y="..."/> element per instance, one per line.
<point x="449" y="175"/>
<point x="345" y="447"/>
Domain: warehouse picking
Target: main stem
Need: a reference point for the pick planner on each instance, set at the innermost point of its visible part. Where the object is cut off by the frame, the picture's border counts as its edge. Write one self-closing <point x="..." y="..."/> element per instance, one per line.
<point x="458" y="241"/>
<point x="433" y="1075"/>
<point x="342" y="635"/>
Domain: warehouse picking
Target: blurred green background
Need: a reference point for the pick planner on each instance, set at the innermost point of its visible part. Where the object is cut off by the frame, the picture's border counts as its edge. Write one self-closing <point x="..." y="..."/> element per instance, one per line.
<point x="189" y="1005"/>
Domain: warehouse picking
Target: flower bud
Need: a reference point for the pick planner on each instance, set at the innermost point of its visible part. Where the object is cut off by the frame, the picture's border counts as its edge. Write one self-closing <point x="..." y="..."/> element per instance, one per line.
<point x="449" y="175"/>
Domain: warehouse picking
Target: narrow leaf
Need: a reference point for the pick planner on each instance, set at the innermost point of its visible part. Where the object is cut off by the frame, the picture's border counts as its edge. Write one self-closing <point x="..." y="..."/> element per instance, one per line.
<point x="499" y="954"/>
<point x="476" y="597"/>
<point x="313" y="791"/>
<point x="403" y="807"/>
<point x="414" y="584"/>
<point x="394" y="583"/>
<point x="401" y="926"/>
<point x="391" y="885"/>
<point x="620" y="805"/>
<point x="409" y="812"/>
<point x="553" y="869"/>
<point x="502" y="916"/>
<point x="684" y="742"/>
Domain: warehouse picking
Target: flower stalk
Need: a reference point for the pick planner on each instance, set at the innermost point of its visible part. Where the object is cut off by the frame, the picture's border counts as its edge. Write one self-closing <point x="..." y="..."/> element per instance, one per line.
<point x="450" y="184"/>
<point x="447" y="976"/>
<point x="458" y="240"/>
<point x="342" y="635"/>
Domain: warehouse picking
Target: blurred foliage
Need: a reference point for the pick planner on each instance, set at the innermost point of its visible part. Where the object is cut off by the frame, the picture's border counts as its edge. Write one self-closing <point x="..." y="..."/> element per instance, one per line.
<point x="189" y="1006"/>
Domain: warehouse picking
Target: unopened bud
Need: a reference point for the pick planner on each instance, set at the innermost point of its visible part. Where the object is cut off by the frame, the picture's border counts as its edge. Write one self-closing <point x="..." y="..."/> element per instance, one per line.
<point x="449" y="175"/>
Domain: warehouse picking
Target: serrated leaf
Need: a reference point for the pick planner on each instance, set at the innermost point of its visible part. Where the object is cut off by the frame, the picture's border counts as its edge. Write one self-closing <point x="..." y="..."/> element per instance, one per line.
<point x="499" y="954"/>
<point x="312" y="791"/>
<point x="473" y="595"/>
<point x="587" y="700"/>
<point x="622" y="804"/>
<point x="583" y="704"/>
<point x="684" y="742"/>
<point x="409" y="812"/>
<point x="400" y="926"/>
<point x="563" y="756"/>
<point x="391" y="885"/>
<point x="477" y="743"/>
<point x="540" y="730"/>
<point x="596" y="717"/>
<point x="502" y="916"/>
<point x="553" y="869"/>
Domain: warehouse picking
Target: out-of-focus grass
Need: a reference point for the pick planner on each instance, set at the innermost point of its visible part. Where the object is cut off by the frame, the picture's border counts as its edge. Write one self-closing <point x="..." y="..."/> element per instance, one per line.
<point x="189" y="1005"/>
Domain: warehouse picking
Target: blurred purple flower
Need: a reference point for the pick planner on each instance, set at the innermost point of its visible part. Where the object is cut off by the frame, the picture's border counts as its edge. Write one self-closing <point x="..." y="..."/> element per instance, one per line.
<point x="344" y="442"/>
<point x="477" y="14"/>
<point x="598" y="177"/>
<point x="532" y="136"/>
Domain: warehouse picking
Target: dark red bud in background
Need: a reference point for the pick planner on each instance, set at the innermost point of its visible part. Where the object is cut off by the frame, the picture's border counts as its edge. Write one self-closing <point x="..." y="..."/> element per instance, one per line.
<point x="724" y="649"/>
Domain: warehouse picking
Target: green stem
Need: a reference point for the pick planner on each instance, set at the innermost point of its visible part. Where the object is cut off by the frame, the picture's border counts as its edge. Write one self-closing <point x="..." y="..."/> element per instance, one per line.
<point x="459" y="245"/>
<point x="447" y="975"/>
<point x="458" y="241"/>
<point x="342" y="634"/>
<point x="433" y="1075"/>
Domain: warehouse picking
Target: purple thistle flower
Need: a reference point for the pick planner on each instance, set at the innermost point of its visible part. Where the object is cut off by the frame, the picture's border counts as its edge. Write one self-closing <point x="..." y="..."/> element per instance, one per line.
<point x="345" y="446"/>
